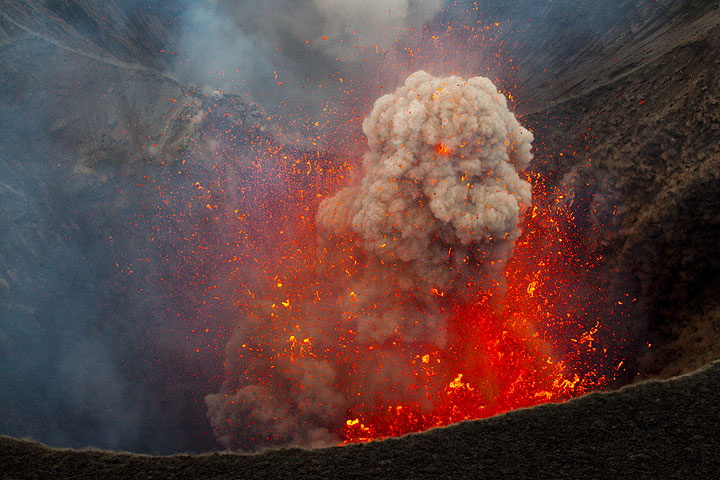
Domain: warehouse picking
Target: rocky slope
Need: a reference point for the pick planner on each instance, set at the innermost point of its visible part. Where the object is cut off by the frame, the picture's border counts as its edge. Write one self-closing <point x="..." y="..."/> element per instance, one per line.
<point x="651" y="430"/>
<point x="87" y="141"/>
<point x="645" y="147"/>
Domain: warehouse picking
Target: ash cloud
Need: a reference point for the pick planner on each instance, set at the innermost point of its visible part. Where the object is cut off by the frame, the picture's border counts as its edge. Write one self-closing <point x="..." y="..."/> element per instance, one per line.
<point x="435" y="210"/>
<point x="441" y="191"/>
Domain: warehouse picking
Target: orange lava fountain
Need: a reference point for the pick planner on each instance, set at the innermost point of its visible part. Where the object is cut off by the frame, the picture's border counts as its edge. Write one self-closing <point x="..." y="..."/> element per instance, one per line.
<point x="522" y="349"/>
<point x="521" y="346"/>
<point x="299" y="368"/>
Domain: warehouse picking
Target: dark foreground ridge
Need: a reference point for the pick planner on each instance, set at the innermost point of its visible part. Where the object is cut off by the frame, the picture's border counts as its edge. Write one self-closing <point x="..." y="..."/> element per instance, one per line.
<point x="658" y="429"/>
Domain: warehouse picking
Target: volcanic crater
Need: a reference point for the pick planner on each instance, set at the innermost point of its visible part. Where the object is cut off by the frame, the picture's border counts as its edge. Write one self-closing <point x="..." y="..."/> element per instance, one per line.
<point x="143" y="215"/>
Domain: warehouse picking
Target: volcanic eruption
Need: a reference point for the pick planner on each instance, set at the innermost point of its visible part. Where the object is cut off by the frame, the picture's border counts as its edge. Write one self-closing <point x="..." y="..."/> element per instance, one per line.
<point x="192" y="207"/>
<point x="388" y="320"/>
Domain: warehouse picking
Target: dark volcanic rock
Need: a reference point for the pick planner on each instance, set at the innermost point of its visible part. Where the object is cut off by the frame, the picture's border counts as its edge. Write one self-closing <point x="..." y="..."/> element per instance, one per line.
<point x="123" y="32"/>
<point x="665" y="429"/>
<point x="647" y="138"/>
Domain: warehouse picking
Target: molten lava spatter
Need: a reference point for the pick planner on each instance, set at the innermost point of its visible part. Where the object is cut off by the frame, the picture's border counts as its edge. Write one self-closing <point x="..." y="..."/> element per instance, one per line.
<point x="403" y="307"/>
<point x="442" y="149"/>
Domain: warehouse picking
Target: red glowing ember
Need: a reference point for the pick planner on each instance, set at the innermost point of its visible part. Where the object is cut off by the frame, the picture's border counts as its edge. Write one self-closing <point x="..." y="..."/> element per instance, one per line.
<point x="441" y="149"/>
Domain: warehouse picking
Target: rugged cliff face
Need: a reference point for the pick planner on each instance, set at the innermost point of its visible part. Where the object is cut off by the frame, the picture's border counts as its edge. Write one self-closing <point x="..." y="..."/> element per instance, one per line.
<point x="120" y="33"/>
<point x="100" y="147"/>
<point x="623" y="100"/>
<point x="648" y="116"/>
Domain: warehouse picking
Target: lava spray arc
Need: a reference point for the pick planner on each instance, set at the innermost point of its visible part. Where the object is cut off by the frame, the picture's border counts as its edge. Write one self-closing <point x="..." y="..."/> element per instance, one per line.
<point x="405" y="309"/>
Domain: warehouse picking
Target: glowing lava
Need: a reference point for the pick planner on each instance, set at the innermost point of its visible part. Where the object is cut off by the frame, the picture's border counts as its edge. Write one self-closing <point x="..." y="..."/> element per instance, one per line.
<point x="524" y="347"/>
<point x="442" y="149"/>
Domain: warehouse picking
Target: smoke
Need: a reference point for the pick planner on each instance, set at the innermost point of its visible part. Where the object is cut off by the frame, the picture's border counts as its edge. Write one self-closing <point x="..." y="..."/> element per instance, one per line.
<point x="435" y="211"/>
<point x="288" y="55"/>
<point x="346" y="29"/>
<point x="108" y="321"/>
<point x="107" y="261"/>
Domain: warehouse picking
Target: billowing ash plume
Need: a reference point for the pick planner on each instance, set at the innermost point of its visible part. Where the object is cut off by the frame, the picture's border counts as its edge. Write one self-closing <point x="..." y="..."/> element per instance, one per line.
<point x="441" y="192"/>
<point x="433" y="216"/>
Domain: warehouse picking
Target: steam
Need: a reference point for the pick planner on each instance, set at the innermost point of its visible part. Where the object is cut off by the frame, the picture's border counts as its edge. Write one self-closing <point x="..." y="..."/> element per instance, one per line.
<point x="340" y="28"/>
<point x="377" y="23"/>
<point x="289" y="54"/>
<point x="433" y="217"/>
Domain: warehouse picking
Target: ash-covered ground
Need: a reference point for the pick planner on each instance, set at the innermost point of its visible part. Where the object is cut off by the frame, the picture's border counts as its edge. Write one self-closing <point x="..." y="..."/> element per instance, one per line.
<point x="110" y="336"/>
<point x="659" y="429"/>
